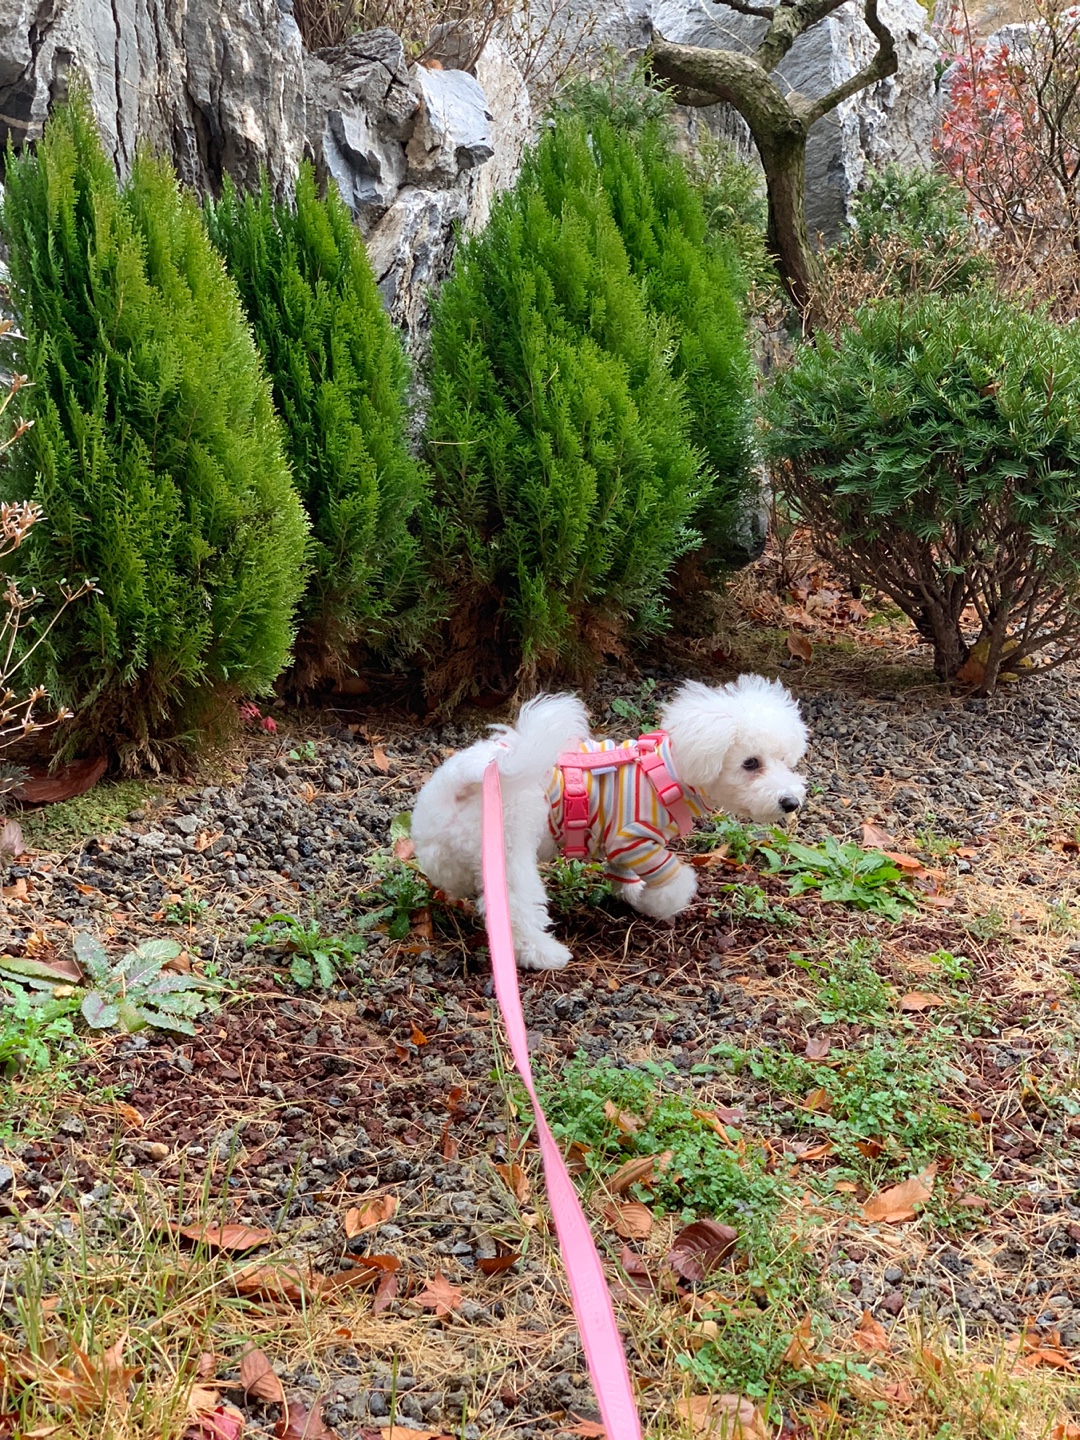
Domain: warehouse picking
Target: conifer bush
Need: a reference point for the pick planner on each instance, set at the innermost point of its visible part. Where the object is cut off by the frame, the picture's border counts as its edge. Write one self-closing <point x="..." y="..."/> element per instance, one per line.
<point x="339" y="376"/>
<point x="691" y="277"/>
<point x="565" y="478"/>
<point x="934" y="449"/>
<point x="155" y="454"/>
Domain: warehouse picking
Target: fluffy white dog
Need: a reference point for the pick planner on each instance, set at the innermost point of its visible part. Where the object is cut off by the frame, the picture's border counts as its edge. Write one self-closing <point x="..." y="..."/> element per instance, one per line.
<point x="729" y="747"/>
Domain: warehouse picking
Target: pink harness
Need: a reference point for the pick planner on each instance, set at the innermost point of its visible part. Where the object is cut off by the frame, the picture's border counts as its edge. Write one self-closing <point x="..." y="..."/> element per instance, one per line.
<point x="643" y="752"/>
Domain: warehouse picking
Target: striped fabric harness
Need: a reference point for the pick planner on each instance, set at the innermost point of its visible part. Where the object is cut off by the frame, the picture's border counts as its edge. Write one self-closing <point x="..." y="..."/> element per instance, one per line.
<point x="680" y="805"/>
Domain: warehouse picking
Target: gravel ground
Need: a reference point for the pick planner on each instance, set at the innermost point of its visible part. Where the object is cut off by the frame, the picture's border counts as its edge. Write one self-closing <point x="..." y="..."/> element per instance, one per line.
<point x="298" y="1106"/>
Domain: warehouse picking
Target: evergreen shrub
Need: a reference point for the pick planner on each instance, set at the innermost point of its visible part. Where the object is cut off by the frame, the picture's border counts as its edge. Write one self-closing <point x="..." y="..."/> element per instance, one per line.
<point x="155" y="454"/>
<point x="339" y="376"/>
<point x="565" y="473"/>
<point x="934" y="449"/>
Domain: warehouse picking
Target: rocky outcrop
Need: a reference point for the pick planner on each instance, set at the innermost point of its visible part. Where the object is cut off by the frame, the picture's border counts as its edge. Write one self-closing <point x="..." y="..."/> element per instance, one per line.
<point x="228" y="88"/>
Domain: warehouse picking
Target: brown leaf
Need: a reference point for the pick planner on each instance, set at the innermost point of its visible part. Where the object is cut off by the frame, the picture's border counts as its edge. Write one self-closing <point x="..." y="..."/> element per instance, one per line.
<point x="800" y="1351"/>
<point x="971" y="672"/>
<point x="818" y="1100"/>
<point x="875" y="838"/>
<point x="498" y="1264"/>
<point x="221" y="1423"/>
<point x="418" y="1037"/>
<point x="404" y="849"/>
<point x="385" y="1293"/>
<point x="380" y="758"/>
<point x="910" y="863"/>
<point x="590" y="1429"/>
<point x="871" y="1336"/>
<point x="275" y="1283"/>
<point x="918" y="1000"/>
<point x="258" y="1379"/>
<point x="1049" y="1356"/>
<point x="626" y="1122"/>
<point x="234" y="1238"/>
<point x="799" y="647"/>
<point x="638" y="1171"/>
<point x="699" y="1248"/>
<point x="297" y="1423"/>
<point x="724" y="1417"/>
<point x="45" y="788"/>
<point x="516" y="1181"/>
<point x="631" y="1221"/>
<point x="637" y="1272"/>
<point x="369" y="1215"/>
<point x="817" y="1047"/>
<point x="900" y="1202"/>
<point x="440" y="1295"/>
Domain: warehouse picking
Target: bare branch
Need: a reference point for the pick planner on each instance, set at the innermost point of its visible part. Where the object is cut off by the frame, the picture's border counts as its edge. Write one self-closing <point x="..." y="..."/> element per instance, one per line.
<point x="880" y="67"/>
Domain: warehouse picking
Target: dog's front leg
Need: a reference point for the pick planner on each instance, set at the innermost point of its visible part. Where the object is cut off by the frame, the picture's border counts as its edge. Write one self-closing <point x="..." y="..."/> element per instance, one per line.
<point x="661" y="901"/>
<point x="534" y="947"/>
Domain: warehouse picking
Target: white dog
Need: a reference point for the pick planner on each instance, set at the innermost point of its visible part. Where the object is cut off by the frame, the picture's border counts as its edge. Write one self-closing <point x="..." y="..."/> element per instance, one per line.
<point x="728" y="747"/>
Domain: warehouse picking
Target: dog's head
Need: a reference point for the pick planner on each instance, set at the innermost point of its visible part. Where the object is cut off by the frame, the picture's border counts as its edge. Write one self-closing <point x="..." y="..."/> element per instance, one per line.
<point x="738" y="745"/>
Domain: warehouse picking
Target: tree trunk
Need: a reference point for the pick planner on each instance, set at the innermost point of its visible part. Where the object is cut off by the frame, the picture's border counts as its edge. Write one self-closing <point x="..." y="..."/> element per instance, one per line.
<point x="783" y="158"/>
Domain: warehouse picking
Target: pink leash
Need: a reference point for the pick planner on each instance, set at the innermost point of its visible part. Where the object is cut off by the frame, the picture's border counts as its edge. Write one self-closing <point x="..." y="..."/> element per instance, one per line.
<point x="599" y="1331"/>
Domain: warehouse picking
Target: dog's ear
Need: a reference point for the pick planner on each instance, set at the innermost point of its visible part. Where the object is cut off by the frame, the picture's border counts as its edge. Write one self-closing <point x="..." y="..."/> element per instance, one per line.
<point x="701" y="721"/>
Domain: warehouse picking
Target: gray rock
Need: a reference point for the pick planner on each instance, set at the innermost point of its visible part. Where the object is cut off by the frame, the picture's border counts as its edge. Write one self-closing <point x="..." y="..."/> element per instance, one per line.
<point x="452" y="132"/>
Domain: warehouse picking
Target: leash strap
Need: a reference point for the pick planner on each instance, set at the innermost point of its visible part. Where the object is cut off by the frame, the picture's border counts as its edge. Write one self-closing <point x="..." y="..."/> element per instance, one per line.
<point x="589" y="1293"/>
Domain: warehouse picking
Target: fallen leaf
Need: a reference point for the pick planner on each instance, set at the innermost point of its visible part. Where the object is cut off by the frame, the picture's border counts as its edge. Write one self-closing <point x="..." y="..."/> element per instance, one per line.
<point x="47" y="788"/>
<point x="699" y="1248"/>
<point x="637" y="1271"/>
<point x="404" y="849"/>
<point x="440" y="1295"/>
<point x="380" y="758"/>
<point x="236" y="1238"/>
<point x="1065" y="1430"/>
<point x="638" y="1171"/>
<point x="920" y="1000"/>
<point x="591" y="1429"/>
<point x="257" y="1378"/>
<point x="274" y="1282"/>
<point x="971" y="672"/>
<point x="418" y="1037"/>
<point x="498" y="1264"/>
<point x="818" y="1101"/>
<point x="517" y="1182"/>
<point x="875" y="838"/>
<point x="899" y="1202"/>
<point x="1047" y="1355"/>
<point x="366" y="1217"/>
<point x="814" y="1152"/>
<point x="297" y="1423"/>
<point x="385" y="1293"/>
<point x="624" y="1120"/>
<point x="871" y="1336"/>
<point x="631" y="1220"/>
<point x="221" y="1423"/>
<point x="799" y="647"/>
<point x="800" y="1351"/>
<point x="723" y="1417"/>
<point x="905" y="862"/>
<point x="817" y="1047"/>
<point x="870" y="1148"/>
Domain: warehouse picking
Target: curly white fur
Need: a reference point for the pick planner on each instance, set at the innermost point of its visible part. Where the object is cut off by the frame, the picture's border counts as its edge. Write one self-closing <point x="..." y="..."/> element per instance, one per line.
<point x="737" y="744"/>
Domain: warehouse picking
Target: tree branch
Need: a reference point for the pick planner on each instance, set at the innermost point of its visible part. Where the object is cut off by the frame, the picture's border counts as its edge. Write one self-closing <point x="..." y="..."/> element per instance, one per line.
<point x="880" y="67"/>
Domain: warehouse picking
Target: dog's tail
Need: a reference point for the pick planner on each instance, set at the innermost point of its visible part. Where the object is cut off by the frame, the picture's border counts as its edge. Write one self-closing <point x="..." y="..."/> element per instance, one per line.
<point x="526" y="752"/>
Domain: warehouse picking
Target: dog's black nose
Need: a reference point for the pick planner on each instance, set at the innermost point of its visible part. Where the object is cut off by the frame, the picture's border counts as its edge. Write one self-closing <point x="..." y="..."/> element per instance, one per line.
<point x="788" y="803"/>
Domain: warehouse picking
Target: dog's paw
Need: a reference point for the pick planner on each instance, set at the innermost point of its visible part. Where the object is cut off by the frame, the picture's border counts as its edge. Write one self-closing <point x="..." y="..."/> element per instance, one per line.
<point x="661" y="902"/>
<point x="550" y="955"/>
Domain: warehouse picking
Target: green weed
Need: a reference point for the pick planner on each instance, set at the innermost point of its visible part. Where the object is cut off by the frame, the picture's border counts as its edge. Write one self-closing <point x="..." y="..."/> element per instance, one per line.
<point x="736" y="840"/>
<point x="33" y="1025"/>
<point x="572" y="883"/>
<point x="315" y="958"/>
<point x="186" y="909"/>
<point x="850" y="989"/>
<point x="750" y="902"/>
<point x="304" y="752"/>
<point x="400" y="891"/>
<point x="841" y="873"/>
<point x="99" y="812"/>
<point x="641" y="713"/>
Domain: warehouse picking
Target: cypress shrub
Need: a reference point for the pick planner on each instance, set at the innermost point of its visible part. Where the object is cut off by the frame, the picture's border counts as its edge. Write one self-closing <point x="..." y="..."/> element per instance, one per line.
<point x="339" y="376"/>
<point x="564" y="476"/>
<point x="155" y="455"/>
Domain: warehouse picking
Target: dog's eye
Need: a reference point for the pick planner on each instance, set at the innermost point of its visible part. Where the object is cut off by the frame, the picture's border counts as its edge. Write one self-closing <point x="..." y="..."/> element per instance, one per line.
<point x="752" y="764"/>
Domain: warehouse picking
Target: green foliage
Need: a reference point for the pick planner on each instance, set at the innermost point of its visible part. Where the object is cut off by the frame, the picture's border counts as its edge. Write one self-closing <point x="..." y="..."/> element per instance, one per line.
<point x="155" y="453"/>
<point x="315" y="958"/>
<point x="851" y="990"/>
<point x="339" y="376"/>
<point x="933" y="449"/>
<point x="704" y="1176"/>
<point x="574" y="883"/>
<point x="641" y="712"/>
<point x="33" y="1025"/>
<point x="733" y="197"/>
<point x="750" y="902"/>
<point x="400" y="892"/>
<point x="137" y="990"/>
<point x="912" y="227"/>
<point x="691" y="276"/>
<point x="565" y="480"/>
<point x="887" y="1092"/>
<point x="842" y="873"/>
<point x="720" y="832"/>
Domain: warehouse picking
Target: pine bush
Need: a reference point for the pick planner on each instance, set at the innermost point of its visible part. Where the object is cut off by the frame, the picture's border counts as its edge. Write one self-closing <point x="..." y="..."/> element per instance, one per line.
<point x="155" y="454"/>
<point x="564" y="476"/>
<point x="934" y="449"/>
<point x="339" y="376"/>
